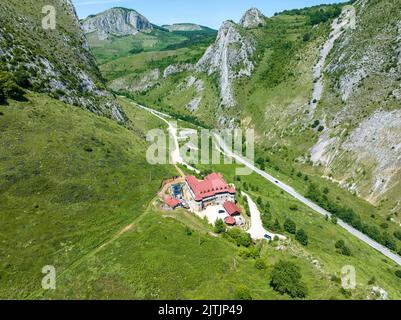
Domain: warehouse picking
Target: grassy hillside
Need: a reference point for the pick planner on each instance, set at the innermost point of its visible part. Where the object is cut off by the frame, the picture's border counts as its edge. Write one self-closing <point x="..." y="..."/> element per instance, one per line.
<point x="77" y="193"/>
<point x="118" y="47"/>
<point x="69" y="180"/>
<point x="172" y="255"/>
<point x="158" y="39"/>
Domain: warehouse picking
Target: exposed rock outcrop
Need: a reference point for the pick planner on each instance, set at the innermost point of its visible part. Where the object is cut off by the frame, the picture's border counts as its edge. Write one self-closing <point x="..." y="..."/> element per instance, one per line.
<point x="252" y="19"/>
<point x="347" y="20"/>
<point x="134" y="83"/>
<point x="177" y="68"/>
<point x="374" y="144"/>
<point x="116" y="22"/>
<point x="59" y="62"/>
<point x="230" y="57"/>
<point x="360" y="146"/>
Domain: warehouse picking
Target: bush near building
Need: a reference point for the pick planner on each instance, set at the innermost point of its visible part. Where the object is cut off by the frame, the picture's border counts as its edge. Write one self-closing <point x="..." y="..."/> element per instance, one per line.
<point x="286" y="279"/>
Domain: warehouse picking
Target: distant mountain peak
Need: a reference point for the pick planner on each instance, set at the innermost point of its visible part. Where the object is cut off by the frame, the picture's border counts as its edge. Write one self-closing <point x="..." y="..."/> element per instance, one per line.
<point x="116" y="21"/>
<point x="252" y="18"/>
<point x="183" y="27"/>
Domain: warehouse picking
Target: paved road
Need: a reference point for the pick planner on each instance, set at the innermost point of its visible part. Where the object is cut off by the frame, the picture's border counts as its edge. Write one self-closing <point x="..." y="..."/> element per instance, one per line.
<point x="385" y="251"/>
<point x="382" y="249"/>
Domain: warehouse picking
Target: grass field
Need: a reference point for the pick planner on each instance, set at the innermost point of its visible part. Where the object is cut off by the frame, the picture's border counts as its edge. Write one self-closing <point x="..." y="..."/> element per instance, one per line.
<point x="68" y="181"/>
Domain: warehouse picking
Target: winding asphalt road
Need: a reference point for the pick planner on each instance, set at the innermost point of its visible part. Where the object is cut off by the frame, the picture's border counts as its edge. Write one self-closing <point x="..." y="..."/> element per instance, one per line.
<point x="375" y="245"/>
<point x="382" y="249"/>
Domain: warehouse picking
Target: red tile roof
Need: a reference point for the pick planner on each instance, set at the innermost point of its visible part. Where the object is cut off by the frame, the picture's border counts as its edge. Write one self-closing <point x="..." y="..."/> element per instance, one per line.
<point x="230" y="221"/>
<point x="212" y="185"/>
<point x="231" y="208"/>
<point x="172" y="203"/>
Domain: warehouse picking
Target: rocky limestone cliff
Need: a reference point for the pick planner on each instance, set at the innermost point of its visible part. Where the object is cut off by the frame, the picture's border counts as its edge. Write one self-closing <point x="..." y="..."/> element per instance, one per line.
<point x="252" y="19"/>
<point x="116" y="22"/>
<point x="360" y="145"/>
<point x="230" y="57"/>
<point x="57" y="62"/>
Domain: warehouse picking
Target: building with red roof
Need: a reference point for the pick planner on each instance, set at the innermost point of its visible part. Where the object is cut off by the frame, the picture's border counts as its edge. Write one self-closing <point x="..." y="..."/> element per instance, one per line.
<point x="231" y="208"/>
<point x="230" y="221"/>
<point x="173" y="203"/>
<point x="213" y="190"/>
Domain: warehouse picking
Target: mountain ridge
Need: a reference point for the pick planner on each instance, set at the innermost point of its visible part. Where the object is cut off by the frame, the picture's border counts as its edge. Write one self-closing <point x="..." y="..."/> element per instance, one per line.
<point x="116" y="21"/>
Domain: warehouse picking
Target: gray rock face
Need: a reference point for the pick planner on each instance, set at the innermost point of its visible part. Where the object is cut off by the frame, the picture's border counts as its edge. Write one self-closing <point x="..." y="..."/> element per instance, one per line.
<point x="360" y="145"/>
<point x="378" y="139"/>
<point x="252" y="19"/>
<point x="177" y="68"/>
<point x="375" y="144"/>
<point x="116" y="22"/>
<point x="230" y="57"/>
<point x="134" y="83"/>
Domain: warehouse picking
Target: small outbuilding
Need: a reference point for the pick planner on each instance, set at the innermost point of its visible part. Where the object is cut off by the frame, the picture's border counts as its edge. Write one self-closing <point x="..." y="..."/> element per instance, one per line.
<point x="173" y="203"/>
<point x="231" y="208"/>
<point x="230" y="221"/>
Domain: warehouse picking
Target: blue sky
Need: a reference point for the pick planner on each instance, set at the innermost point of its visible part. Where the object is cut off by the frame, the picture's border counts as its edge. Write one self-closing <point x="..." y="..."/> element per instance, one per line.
<point x="210" y="13"/>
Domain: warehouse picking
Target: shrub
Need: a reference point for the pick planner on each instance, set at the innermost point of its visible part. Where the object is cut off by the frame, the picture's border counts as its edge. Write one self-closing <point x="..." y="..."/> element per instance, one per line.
<point x="188" y="231"/>
<point x="397" y="234"/>
<point x="286" y="279"/>
<point x="276" y="227"/>
<point x="345" y="292"/>
<point x="306" y="37"/>
<point x="339" y="244"/>
<point x="22" y="79"/>
<point x="242" y="293"/>
<point x="260" y="264"/>
<point x="372" y="281"/>
<point x="290" y="226"/>
<point x="345" y="251"/>
<point x="302" y="237"/>
<point x="294" y="207"/>
<point x="241" y="238"/>
<point x="398" y="273"/>
<point x="315" y="124"/>
<point x="335" y="279"/>
<point x="2" y="96"/>
<point x="9" y="88"/>
<point x="219" y="226"/>
<point x="342" y="248"/>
